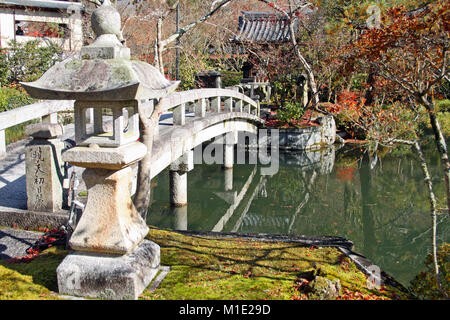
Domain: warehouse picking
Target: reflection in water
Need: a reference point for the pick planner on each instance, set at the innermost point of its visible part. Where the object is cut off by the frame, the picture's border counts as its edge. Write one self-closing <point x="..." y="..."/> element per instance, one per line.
<point x="228" y="174"/>
<point x="180" y="221"/>
<point x="367" y="203"/>
<point x="377" y="201"/>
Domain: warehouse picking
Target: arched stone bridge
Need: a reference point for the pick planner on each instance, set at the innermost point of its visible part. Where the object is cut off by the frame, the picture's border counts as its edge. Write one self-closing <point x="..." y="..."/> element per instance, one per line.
<point x="198" y="116"/>
<point x="189" y="119"/>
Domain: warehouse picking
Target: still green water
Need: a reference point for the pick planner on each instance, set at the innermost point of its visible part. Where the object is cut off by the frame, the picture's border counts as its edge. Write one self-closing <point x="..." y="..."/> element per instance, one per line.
<point x="378" y="202"/>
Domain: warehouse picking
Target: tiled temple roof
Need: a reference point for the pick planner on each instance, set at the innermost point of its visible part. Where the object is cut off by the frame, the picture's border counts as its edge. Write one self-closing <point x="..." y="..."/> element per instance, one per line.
<point x="263" y="26"/>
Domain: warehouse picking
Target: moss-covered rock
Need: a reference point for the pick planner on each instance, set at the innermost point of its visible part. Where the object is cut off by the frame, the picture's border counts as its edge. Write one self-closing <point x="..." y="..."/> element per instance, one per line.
<point x="325" y="289"/>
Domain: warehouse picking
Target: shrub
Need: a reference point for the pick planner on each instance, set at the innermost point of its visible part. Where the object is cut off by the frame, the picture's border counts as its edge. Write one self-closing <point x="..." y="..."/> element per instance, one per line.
<point x="11" y="98"/>
<point x="424" y="285"/>
<point x="443" y="106"/>
<point x="27" y="61"/>
<point x="231" y="78"/>
<point x="290" y="111"/>
<point x="4" y="69"/>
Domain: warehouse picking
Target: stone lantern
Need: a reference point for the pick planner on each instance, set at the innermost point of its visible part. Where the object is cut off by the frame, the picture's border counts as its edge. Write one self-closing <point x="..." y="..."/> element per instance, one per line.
<point x="111" y="257"/>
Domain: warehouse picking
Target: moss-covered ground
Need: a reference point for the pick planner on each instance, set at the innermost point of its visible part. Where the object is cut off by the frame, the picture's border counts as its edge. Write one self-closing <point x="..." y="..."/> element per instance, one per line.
<point x="35" y="280"/>
<point x="212" y="268"/>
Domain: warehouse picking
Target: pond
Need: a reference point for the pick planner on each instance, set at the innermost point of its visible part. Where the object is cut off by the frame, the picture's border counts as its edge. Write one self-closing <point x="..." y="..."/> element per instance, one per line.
<point x="377" y="200"/>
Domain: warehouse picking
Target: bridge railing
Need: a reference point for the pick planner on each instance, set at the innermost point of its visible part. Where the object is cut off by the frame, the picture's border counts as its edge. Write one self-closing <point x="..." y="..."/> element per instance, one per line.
<point x="46" y="110"/>
<point x="201" y="100"/>
<point x="207" y="99"/>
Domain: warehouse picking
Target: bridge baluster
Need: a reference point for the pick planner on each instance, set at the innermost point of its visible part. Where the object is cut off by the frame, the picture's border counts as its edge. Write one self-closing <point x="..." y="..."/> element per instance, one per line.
<point x="50" y="118"/>
<point x="229" y="104"/>
<point x="179" y="115"/>
<point x="247" y="108"/>
<point x="200" y="108"/>
<point x="215" y="104"/>
<point x="2" y="143"/>
<point x="239" y="105"/>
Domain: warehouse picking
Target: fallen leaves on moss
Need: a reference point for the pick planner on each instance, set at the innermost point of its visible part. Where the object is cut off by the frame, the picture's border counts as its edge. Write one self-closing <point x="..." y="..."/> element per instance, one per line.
<point x="35" y="280"/>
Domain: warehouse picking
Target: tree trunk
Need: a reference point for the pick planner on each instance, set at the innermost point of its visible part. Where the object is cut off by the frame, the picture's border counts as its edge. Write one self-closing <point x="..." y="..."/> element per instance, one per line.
<point x="433" y="208"/>
<point x="306" y="67"/>
<point x="147" y="126"/>
<point x="441" y="145"/>
<point x="369" y="96"/>
<point x="159" y="47"/>
<point x="162" y="44"/>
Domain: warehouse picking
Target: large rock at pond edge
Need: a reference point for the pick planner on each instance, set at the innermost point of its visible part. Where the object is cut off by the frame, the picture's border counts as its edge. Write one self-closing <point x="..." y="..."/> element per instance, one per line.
<point x="324" y="289"/>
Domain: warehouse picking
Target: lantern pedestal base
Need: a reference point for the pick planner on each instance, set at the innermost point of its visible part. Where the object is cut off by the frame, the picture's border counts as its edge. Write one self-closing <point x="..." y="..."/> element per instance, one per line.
<point x="107" y="276"/>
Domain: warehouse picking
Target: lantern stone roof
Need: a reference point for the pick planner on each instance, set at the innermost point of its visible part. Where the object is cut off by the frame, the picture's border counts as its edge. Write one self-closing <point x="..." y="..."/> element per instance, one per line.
<point x="263" y="26"/>
<point x="100" y="80"/>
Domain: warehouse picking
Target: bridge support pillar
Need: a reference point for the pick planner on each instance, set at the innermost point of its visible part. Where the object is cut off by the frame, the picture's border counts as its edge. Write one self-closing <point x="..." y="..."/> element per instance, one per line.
<point x="228" y="179"/>
<point x="178" y="179"/>
<point x="180" y="217"/>
<point x="178" y="188"/>
<point x="228" y="152"/>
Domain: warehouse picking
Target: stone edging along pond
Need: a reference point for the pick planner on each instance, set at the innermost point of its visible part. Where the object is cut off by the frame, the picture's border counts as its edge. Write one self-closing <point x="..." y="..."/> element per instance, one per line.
<point x="308" y="138"/>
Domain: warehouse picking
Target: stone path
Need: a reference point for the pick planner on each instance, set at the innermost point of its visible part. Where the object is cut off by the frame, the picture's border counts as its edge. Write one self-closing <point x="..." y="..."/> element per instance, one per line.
<point x="13" y="243"/>
<point x="12" y="173"/>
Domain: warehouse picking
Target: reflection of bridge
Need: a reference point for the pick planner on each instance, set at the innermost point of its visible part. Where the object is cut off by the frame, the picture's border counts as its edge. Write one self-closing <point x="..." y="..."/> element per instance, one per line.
<point x="235" y="215"/>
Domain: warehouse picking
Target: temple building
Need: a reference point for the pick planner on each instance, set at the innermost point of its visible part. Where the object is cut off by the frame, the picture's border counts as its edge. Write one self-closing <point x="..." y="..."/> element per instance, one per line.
<point x="261" y="28"/>
<point x="47" y="20"/>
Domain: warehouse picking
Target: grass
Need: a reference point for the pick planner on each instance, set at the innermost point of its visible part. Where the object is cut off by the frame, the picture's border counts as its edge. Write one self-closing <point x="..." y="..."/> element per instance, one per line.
<point x="212" y="268"/>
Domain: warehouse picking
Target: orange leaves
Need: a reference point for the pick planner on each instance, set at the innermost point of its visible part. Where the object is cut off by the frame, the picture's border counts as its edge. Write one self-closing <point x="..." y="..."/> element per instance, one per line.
<point x="352" y="295"/>
<point x="406" y="40"/>
<point x="348" y="101"/>
<point x="345" y="174"/>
